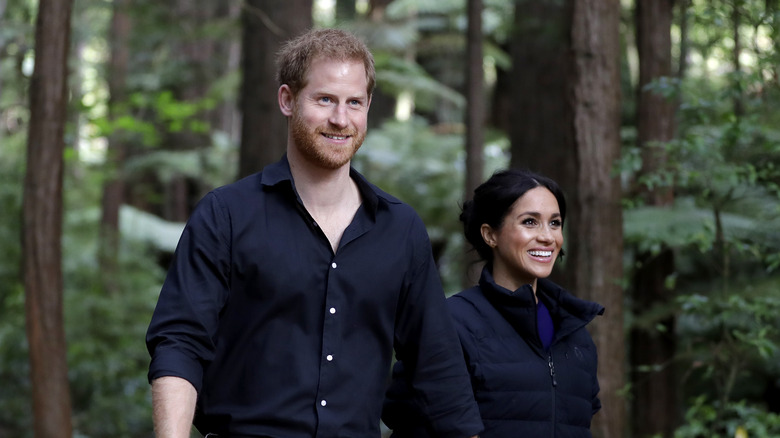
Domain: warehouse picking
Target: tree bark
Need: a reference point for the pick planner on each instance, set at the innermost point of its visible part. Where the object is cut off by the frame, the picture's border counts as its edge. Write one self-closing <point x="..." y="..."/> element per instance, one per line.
<point x="475" y="97"/>
<point x="542" y="111"/>
<point x="113" y="188"/>
<point x="475" y="119"/>
<point x="685" y="43"/>
<point x="266" y="25"/>
<point x="596" y="228"/>
<point x="345" y="10"/>
<point x="655" y="391"/>
<point x="736" y="22"/>
<point x="566" y="124"/>
<point x="42" y="223"/>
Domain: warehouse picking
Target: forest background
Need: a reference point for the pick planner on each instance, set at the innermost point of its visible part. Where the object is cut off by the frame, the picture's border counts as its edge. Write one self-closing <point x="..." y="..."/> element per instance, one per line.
<point x="660" y="118"/>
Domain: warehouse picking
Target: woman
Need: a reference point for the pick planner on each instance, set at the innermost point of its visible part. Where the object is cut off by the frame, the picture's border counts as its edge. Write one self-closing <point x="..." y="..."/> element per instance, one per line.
<point x="531" y="360"/>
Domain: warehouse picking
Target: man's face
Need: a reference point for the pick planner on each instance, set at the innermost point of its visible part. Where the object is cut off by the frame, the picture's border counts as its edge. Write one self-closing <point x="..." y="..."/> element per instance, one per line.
<point x="329" y="115"/>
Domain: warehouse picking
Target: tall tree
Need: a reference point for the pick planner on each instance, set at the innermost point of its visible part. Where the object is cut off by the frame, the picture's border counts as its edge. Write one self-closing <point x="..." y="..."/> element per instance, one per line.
<point x="736" y="23"/>
<point x="684" y="25"/>
<point x="597" y="227"/>
<point x="42" y="222"/>
<point x="475" y="97"/>
<point x="204" y="56"/>
<point x="113" y="187"/>
<point x="539" y="49"/>
<point x="566" y="124"/>
<point x="654" y="380"/>
<point x="264" y="129"/>
<point x="345" y="10"/>
<point x="475" y="115"/>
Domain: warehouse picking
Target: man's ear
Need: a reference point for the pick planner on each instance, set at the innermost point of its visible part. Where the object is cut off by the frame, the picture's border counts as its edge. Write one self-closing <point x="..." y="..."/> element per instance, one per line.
<point x="286" y="100"/>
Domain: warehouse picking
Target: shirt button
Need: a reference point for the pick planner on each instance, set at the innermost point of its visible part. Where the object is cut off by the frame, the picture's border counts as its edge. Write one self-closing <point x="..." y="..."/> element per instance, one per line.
<point x="332" y="310"/>
<point x="323" y="403"/>
<point x="329" y="357"/>
<point x="333" y="265"/>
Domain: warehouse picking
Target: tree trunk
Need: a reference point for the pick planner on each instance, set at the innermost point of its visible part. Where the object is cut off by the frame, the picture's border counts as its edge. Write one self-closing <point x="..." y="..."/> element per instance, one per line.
<point x="376" y="9"/>
<point x="266" y="25"/>
<point x="345" y="10"/>
<point x="113" y="188"/>
<point x="596" y="228"/>
<point x="539" y="49"/>
<point x="655" y="397"/>
<point x="736" y="22"/>
<point x="685" y="43"/>
<point x="475" y="119"/>
<point x="42" y="223"/>
<point x="475" y="98"/>
<point x="566" y="124"/>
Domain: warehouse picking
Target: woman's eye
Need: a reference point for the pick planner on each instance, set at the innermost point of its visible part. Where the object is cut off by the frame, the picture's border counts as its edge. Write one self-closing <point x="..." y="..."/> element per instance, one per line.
<point x="529" y="221"/>
<point x="556" y="223"/>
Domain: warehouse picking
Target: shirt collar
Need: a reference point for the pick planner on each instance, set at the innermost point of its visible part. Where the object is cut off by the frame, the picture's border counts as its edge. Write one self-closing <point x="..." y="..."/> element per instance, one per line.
<point x="278" y="173"/>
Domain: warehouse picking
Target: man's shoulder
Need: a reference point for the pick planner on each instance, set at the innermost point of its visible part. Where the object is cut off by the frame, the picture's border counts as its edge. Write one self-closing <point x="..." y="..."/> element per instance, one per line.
<point x="248" y="186"/>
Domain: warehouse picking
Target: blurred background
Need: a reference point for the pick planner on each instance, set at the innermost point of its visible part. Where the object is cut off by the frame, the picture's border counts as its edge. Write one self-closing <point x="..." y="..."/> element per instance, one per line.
<point x="660" y="119"/>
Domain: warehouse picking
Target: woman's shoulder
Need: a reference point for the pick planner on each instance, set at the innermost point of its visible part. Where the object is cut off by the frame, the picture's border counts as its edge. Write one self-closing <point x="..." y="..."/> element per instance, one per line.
<point x="471" y="310"/>
<point x="465" y="300"/>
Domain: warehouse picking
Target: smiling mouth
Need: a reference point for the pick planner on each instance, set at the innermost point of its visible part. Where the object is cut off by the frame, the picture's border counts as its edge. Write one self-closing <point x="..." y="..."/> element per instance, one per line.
<point x="540" y="253"/>
<point x="336" y="137"/>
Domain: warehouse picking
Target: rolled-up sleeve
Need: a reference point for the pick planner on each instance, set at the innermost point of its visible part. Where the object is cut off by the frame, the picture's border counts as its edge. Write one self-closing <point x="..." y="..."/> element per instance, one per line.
<point x="180" y="335"/>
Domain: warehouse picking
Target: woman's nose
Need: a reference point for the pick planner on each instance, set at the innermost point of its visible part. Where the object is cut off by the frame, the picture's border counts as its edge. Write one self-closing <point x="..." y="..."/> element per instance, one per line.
<point x="545" y="234"/>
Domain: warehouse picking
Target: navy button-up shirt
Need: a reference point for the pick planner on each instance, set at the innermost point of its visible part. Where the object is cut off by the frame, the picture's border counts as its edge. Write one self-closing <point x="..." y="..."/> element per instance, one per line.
<point x="282" y="337"/>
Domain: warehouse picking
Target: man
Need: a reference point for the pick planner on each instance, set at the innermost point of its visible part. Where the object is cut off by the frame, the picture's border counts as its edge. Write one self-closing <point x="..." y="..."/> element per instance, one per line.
<point x="290" y="288"/>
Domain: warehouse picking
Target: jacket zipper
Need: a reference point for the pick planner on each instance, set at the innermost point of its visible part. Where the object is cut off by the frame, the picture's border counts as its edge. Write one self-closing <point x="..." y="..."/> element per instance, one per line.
<point x="554" y="382"/>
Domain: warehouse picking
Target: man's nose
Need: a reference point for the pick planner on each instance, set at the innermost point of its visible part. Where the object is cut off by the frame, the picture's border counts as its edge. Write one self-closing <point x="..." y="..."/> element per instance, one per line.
<point x="338" y="116"/>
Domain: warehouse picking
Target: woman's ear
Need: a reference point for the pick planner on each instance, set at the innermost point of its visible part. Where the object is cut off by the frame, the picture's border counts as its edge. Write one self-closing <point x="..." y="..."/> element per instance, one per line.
<point x="286" y="100"/>
<point x="488" y="235"/>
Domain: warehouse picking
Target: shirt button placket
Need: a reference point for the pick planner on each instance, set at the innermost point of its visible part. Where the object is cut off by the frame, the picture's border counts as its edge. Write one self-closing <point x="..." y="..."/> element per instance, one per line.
<point x="331" y="312"/>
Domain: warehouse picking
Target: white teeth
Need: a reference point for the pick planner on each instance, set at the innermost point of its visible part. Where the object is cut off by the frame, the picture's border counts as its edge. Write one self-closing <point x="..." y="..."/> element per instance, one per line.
<point x="540" y="253"/>
<point x="336" y="137"/>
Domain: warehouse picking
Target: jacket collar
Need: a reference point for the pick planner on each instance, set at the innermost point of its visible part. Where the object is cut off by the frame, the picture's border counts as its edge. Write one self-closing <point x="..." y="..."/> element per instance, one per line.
<point x="518" y="307"/>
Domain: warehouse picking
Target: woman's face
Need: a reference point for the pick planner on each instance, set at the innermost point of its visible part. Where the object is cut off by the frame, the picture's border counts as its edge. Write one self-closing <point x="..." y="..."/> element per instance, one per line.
<point x="528" y="241"/>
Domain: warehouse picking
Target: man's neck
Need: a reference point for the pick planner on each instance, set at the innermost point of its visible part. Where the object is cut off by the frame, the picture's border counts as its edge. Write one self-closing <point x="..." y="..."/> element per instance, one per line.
<point x="329" y="195"/>
<point x="320" y="187"/>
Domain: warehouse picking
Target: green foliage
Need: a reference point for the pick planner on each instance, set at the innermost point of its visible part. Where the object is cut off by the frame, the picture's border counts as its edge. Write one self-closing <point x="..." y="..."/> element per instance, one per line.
<point x="396" y="75"/>
<point x="727" y="333"/>
<point x="107" y="358"/>
<point x="14" y="366"/>
<point x="724" y="225"/>
<point x="106" y="354"/>
<point x="425" y="167"/>
<point x="738" y="420"/>
<point x="169" y="115"/>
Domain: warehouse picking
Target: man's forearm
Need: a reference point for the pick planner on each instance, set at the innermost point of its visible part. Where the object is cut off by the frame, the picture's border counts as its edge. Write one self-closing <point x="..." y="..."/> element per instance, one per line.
<point x="173" y="403"/>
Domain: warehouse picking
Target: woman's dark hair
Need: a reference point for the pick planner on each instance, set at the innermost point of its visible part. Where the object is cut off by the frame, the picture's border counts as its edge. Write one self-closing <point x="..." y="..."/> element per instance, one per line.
<point x="494" y="198"/>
